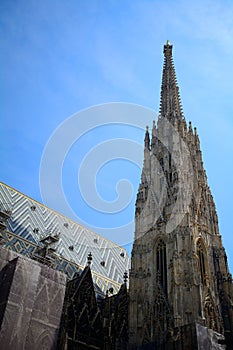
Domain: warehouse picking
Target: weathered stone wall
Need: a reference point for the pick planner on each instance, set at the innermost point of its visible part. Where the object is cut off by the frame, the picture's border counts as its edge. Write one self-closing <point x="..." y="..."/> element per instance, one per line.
<point x="31" y="303"/>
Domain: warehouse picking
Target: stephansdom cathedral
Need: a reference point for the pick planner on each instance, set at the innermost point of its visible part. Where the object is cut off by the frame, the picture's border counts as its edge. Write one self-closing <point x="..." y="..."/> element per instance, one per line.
<point x="180" y="287"/>
<point x="65" y="287"/>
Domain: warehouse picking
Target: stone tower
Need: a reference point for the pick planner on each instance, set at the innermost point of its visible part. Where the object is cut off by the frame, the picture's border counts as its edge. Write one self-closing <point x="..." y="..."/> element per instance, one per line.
<point x="180" y="286"/>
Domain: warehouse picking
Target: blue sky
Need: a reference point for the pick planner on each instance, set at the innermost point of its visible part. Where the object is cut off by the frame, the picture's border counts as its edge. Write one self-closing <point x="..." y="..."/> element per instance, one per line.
<point x="61" y="57"/>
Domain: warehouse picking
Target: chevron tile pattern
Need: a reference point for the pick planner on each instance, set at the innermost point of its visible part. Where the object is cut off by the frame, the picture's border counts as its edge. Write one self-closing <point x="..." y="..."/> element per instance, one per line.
<point x="30" y="221"/>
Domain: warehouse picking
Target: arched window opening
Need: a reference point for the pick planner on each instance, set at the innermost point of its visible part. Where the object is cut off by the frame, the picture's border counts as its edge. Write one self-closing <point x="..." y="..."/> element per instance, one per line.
<point x="161" y="265"/>
<point x="202" y="261"/>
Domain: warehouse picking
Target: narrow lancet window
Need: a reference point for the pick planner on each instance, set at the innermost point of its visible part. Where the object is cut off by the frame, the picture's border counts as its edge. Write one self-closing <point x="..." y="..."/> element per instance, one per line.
<point x="202" y="261"/>
<point x="161" y="264"/>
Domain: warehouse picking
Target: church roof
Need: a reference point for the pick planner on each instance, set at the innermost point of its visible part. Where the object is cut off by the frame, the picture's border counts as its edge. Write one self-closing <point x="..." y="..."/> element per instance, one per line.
<point x="32" y="221"/>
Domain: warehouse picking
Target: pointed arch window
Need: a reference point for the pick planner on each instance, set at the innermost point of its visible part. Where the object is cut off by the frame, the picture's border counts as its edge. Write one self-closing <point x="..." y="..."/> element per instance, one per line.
<point x="201" y="253"/>
<point x="161" y="264"/>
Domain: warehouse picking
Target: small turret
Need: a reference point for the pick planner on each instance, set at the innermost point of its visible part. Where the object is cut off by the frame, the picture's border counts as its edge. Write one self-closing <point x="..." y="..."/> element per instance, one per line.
<point x="147" y="139"/>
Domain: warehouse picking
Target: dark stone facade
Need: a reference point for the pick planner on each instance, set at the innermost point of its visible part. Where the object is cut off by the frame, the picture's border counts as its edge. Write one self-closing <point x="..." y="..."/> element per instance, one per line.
<point x="41" y="309"/>
<point x="90" y="322"/>
<point x="30" y="304"/>
<point x="81" y="324"/>
<point x="189" y="337"/>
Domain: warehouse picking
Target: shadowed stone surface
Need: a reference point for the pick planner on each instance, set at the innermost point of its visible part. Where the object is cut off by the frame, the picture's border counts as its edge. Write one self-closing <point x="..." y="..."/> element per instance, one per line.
<point x="33" y="303"/>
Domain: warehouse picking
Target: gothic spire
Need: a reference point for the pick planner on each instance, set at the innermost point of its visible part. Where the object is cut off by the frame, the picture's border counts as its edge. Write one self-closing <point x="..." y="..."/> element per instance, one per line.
<point x="170" y="104"/>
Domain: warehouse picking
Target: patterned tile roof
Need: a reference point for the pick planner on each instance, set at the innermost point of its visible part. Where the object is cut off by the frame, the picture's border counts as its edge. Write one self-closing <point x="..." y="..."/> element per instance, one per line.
<point x="30" y="221"/>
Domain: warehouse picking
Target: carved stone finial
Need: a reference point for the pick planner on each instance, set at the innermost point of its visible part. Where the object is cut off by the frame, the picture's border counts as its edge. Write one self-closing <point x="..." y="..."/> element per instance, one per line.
<point x="125" y="277"/>
<point x="147" y="139"/>
<point x="190" y="127"/>
<point x="89" y="259"/>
